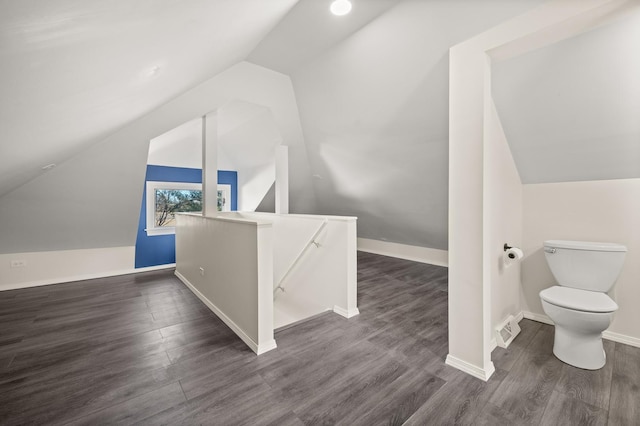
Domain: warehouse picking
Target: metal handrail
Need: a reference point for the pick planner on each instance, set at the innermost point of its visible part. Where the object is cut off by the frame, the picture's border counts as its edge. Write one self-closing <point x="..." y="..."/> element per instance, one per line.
<point x="311" y="242"/>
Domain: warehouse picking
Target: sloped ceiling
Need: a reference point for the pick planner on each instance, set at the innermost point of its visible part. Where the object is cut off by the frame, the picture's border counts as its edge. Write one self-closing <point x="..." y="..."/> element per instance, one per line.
<point x="73" y="72"/>
<point x="374" y="111"/>
<point x="371" y="87"/>
<point x="309" y="29"/>
<point x="571" y="111"/>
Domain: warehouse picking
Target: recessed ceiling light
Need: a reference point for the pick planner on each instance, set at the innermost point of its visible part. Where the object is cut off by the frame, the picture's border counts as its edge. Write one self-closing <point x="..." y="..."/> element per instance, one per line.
<point x="340" y="7"/>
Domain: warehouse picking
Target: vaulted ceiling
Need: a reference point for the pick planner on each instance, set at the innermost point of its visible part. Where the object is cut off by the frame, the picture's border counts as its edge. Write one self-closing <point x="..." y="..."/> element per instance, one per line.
<point x="73" y="72"/>
<point x="371" y="90"/>
<point x="571" y="111"/>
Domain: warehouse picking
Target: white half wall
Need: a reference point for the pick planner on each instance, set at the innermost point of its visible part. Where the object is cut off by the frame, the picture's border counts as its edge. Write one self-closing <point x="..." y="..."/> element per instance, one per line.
<point x="607" y="211"/>
<point x="314" y="262"/>
<point x="325" y="277"/>
<point x="52" y="267"/>
<point x="228" y="263"/>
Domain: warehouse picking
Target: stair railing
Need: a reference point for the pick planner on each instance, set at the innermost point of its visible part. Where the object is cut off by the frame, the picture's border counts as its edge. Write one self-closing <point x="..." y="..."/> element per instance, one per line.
<point x="312" y="242"/>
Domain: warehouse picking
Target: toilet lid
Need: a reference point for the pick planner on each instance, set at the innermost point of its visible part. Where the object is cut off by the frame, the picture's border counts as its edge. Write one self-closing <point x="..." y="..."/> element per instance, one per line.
<point x="578" y="300"/>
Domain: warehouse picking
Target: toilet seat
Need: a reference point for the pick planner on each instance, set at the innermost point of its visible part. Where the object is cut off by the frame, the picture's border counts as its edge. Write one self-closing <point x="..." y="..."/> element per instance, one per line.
<point x="578" y="300"/>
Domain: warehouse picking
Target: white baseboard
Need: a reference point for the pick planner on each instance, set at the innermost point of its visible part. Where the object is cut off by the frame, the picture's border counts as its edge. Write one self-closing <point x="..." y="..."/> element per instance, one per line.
<point x="54" y="267"/>
<point x="155" y="268"/>
<point x="609" y="335"/>
<point x="537" y="317"/>
<point x="347" y="313"/>
<point x="621" y="338"/>
<point x="254" y="346"/>
<point x="403" y="251"/>
<point x="480" y="373"/>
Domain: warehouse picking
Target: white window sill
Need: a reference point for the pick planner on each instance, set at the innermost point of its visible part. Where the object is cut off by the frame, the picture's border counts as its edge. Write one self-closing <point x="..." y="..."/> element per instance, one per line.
<point x="153" y="232"/>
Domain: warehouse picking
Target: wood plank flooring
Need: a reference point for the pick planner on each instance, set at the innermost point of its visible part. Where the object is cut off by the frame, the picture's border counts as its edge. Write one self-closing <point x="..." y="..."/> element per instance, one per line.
<point x="141" y="349"/>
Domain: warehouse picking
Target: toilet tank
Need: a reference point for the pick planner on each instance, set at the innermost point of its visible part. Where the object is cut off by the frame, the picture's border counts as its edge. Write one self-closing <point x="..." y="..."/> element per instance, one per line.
<point x="585" y="265"/>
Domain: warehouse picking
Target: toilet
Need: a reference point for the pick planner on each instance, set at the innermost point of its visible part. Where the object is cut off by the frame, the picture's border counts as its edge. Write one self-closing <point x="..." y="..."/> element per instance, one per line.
<point x="579" y="306"/>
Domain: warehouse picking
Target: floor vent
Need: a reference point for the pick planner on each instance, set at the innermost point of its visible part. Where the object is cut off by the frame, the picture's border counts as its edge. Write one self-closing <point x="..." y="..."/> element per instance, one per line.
<point x="507" y="331"/>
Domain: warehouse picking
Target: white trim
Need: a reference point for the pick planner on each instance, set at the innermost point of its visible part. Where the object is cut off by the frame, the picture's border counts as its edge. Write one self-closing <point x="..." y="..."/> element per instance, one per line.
<point x="84" y="277"/>
<point x="480" y="373"/>
<point x="151" y="187"/>
<point x="257" y="348"/>
<point x="156" y="268"/>
<point x="347" y="313"/>
<point x="225" y="188"/>
<point x="537" y="317"/>
<point x="403" y="251"/>
<point x="519" y="316"/>
<point x="306" y="216"/>
<point x="609" y="335"/>
<point x="621" y="338"/>
<point x="61" y="266"/>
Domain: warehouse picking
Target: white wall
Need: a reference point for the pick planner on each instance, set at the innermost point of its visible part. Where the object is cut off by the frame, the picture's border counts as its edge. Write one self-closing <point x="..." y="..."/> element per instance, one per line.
<point x="503" y="221"/>
<point x="404" y="251"/>
<point x="250" y="148"/>
<point x="470" y="135"/>
<point x="375" y="111"/>
<point x="570" y="110"/>
<point x="72" y="206"/>
<point x="315" y="278"/>
<point x="179" y="147"/>
<point x="237" y="279"/>
<point x="51" y="267"/>
<point x="325" y="277"/>
<point x="247" y="140"/>
<point x="607" y="211"/>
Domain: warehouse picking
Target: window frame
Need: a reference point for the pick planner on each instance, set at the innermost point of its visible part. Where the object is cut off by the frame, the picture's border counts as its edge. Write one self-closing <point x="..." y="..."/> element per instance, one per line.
<point x="227" y="193"/>
<point x="152" y="186"/>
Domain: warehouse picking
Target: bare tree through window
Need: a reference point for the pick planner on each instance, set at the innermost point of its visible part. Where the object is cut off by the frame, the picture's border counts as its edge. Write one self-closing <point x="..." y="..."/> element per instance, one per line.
<point x="172" y="201"/>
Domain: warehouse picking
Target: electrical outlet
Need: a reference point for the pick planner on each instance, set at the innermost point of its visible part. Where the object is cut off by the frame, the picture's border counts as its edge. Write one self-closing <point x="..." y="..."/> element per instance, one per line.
<point x="18" y="263"/>
<point x="202" y="271"/>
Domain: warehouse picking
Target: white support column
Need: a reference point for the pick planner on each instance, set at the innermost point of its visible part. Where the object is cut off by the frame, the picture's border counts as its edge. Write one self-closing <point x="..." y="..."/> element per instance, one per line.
<point x="282" y="179"/>
<point x="210" y="164"/>
<point x="469" y="294"/>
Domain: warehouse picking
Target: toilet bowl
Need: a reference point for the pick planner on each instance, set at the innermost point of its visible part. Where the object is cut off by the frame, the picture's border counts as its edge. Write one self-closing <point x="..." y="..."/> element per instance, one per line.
<point x="579" y="306"/>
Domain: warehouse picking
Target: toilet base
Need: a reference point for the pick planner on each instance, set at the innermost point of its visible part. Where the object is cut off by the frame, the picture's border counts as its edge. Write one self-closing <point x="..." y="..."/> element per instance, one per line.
<point x="580" y="350"/>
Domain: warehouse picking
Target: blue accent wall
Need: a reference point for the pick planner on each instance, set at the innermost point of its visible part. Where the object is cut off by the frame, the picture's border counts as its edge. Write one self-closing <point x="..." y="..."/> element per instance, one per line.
<point x="161" y="249"/>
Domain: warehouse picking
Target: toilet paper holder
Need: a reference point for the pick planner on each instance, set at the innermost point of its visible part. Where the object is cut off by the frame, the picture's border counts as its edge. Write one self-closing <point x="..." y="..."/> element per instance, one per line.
<point x="512" y="253"/>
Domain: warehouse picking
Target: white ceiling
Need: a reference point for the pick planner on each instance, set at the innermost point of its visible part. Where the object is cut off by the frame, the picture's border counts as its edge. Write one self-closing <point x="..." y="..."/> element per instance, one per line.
<point x="571" y="111"/>
<point x="247" y="132"/>
<point x="73" y="72"/>
<point x="309" y="29"/>
<point x="374" y="110"/>
<point x="371" y="89"/>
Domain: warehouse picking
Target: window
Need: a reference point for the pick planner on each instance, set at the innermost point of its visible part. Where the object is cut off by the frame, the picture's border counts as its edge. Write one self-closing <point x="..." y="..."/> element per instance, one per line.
<point x="165" y="199"/>
<point x="224" y="197"/>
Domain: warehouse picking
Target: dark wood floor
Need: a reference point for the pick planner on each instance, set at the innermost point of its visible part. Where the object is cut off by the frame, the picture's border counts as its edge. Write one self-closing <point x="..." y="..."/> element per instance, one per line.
<point x="142" y="349"/>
